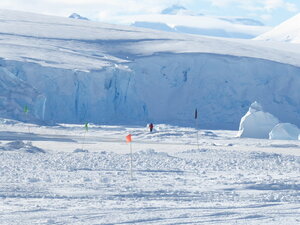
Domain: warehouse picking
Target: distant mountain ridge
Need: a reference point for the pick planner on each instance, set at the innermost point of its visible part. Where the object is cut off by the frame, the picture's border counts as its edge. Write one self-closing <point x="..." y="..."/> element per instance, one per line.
<point x="77" y="16"/>
<point x="177" y="10"/>
<point x="179" y="19"/>
<point x="173" y="10"/>
<point x="244" y="21"/>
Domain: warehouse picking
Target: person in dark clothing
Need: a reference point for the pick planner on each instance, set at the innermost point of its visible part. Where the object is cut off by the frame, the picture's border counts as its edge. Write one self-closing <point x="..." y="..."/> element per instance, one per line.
<point x="151" y="127"/>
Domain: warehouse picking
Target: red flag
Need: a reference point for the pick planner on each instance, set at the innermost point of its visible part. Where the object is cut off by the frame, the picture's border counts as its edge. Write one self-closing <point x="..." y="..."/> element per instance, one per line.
<point x="196" y="114"/>
<point x="128" y="138"/>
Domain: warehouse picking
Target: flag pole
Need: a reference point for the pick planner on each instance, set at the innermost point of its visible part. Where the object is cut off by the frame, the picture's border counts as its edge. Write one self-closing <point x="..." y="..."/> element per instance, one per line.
<point x="129" y="140"/>
<point x="86" y="127"/>
<point x="26" y="110"/>
<point x="196" y="126"/>
<point x="83" y="140"/>
<point x="130" y="160"/>
<point x="197" y="135"/>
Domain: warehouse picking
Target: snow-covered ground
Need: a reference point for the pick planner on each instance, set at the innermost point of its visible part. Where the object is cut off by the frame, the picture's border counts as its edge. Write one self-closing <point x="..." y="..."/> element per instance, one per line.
<point x="65" y="175"/>
<point x="66" y="70"/>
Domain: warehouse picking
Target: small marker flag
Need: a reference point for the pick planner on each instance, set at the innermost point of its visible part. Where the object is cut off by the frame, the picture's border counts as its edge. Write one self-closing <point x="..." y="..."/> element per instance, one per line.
<point x="196" y="114"/>
<point x="26" y="109"/>
<point x="86" y="126"/>
<point x="128" y="138"/>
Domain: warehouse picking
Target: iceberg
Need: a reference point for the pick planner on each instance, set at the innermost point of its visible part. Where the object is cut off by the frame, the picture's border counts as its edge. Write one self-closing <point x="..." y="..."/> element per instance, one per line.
<point x="256" y="123"/>
<point x="284" y="131"/>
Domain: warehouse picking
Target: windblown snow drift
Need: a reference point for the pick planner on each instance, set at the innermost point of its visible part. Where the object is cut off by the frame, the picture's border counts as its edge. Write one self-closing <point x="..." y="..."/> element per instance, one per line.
<point x="93" y="72"/>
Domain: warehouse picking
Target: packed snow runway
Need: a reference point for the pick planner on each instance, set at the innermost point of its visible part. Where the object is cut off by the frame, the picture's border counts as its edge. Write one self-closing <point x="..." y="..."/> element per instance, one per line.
<point x="65" y="175"/>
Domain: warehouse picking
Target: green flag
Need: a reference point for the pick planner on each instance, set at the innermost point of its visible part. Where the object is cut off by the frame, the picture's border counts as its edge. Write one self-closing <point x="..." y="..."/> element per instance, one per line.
<point x="26" y="109"/>
<point x="86" y="126"/>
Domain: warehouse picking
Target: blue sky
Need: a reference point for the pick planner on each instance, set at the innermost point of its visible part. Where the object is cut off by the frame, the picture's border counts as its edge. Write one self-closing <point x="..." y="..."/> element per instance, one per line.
<point x="270" y="12"/>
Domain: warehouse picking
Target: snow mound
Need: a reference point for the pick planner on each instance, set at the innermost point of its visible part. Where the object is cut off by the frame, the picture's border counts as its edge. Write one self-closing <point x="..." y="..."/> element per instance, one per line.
<point x="284" y="131"/>
<point x="152" y="152"/>
<point x="288" y="31"/>
<point x="4" y="121"/>
<point x="21" y="146"/>
<point x="79" y="150"/>
<point x="256" y="123"/>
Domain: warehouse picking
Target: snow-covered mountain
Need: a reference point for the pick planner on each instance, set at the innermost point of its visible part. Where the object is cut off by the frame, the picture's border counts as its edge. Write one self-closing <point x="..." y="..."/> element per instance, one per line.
<point x="175" y="10"/>
<point x="288" y="31"/>
<point x="93" y="72"/>
<point x="244" y="21"/>
<point x="77" y="16"/>
<point x="178" y="19"/>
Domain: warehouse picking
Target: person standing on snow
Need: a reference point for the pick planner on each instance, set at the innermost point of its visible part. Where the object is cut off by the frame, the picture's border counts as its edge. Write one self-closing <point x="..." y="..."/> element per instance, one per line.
<point x="151" y="127"/>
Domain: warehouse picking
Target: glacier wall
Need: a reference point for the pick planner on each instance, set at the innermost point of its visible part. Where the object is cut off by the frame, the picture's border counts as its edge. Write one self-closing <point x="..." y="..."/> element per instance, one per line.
<point x="166" y="88"/>
<point x="222" y="87"/>
<point x="16" y="95"/>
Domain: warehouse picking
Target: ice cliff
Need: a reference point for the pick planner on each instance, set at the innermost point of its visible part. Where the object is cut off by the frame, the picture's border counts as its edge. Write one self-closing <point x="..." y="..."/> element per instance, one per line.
<point x="79" y="71"/>
<point x="16" y="95"/>
<point x="166" y="89"/>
